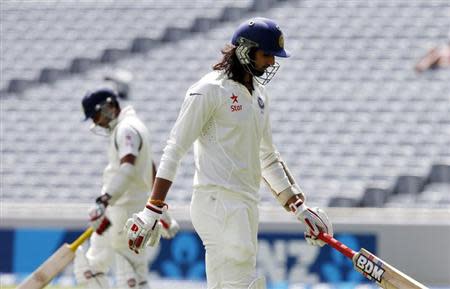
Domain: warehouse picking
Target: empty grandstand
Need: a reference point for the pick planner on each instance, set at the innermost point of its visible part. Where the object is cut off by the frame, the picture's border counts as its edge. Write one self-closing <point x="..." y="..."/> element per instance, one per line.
<point x="356" y="124"/>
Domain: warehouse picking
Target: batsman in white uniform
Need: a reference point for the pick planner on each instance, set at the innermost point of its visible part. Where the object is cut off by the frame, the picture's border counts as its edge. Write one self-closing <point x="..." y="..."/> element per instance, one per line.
<point x="127" y="181"/>
<point x="226" y="116"/>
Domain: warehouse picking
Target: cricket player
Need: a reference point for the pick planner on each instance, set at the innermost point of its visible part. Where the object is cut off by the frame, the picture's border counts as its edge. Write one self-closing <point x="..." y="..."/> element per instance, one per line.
<point x="226" y="116"/>
<point x="127" y="181"/>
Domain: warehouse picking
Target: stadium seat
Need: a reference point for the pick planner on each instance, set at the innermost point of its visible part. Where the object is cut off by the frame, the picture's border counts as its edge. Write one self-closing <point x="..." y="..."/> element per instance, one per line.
<point x="374" y="197"/>
<point x="410" y="185"/>
<point x="349" y="115"/>
<point x="439" y="173"/>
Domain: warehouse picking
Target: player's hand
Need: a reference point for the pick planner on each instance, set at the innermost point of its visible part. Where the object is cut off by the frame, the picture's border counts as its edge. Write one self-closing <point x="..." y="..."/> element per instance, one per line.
<point x="97" y="219"/>
<point x="170" y="226"/>
<point x="144" y="228"/>
<point x="315" y="220"/>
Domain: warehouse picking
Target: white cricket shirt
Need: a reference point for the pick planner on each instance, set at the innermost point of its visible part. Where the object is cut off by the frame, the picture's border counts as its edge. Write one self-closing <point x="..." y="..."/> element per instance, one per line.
<point x="130" y="136"/>
<point x="231" y="132"/>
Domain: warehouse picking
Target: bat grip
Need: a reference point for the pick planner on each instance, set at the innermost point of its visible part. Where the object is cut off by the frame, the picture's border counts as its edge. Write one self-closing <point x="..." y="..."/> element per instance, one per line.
<point x="86" y="234"/>
<point x="346" y="251"/>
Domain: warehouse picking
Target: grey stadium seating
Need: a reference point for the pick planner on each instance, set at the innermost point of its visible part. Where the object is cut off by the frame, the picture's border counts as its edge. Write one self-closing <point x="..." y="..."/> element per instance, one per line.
<point x="61" y="34"/>
<point x="350" y="116"/>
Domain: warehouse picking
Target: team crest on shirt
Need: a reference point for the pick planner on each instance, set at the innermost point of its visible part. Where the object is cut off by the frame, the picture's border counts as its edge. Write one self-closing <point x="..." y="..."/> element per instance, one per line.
<point x="235" y="106"/>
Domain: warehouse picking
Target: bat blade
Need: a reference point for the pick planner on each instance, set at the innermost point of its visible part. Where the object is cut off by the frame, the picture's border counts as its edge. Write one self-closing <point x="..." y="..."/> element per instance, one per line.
<point x="54" y="264"/>
<point x="381" y="272"/>
<point x="49" y="269"/>
<point x="373" y="268"/>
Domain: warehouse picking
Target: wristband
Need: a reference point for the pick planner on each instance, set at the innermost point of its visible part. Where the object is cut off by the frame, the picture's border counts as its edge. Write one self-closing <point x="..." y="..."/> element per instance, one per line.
<point x="103" y="199"/>
<point x="158" y="203"/>
<point x="155" y="209"/>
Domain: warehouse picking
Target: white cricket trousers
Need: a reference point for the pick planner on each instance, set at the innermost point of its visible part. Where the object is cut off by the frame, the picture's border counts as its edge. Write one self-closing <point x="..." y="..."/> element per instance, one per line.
<point x="228" y="226"/>
<point x="103" y="248"/>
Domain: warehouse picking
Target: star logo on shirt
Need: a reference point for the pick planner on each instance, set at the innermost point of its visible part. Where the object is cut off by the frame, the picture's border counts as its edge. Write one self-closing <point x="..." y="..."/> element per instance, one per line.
<point x="235" y="107"/>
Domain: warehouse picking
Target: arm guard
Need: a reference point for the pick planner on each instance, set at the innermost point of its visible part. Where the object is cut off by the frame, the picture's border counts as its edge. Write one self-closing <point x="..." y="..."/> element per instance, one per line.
<point x="281" y="182"/>
<point x="119" y="183"/>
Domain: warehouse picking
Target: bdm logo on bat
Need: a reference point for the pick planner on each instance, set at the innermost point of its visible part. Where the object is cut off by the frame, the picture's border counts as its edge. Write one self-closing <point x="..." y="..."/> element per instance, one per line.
<point x="368" y="267"/>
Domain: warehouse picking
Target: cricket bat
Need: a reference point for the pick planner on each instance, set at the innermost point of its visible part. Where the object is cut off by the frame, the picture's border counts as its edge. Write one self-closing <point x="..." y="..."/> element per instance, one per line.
<point x="373" y="268"/>
<point x="54" y="264"/>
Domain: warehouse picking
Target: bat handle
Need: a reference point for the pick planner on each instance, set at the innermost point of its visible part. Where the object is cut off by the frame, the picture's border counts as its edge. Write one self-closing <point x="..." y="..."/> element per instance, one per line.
<point x="346" y="251"/>
<point x="86" y="234"/>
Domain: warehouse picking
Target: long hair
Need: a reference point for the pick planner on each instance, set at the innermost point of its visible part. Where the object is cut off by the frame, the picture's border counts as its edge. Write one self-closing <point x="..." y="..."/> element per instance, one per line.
<point x="230" y="64"/>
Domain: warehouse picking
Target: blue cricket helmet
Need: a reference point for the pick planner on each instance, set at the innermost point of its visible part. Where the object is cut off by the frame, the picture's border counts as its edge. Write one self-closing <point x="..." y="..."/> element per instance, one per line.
<point x="93" y="101"/>
<point x="264" y="33"/>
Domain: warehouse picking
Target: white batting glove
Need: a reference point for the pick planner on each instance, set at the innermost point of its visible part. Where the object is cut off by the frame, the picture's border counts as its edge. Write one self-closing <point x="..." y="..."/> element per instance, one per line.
<point x="97" y="219"/>
<point x="144" y="228"/>
<point x="315" y="220"/>
<point x="170" y="226"/>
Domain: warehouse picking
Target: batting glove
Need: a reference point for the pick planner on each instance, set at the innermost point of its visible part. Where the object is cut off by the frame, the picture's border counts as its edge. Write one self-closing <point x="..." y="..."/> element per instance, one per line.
<point x="97" y="219"/>
<point x="144" y="228"/>
<point x="170" y="226"/>
<point x="315" y="220"/>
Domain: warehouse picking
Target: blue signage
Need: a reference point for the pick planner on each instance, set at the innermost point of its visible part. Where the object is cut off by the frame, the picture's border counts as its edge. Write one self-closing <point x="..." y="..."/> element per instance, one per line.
<point x="181" y="258"/>
<point x="282" y="257"/>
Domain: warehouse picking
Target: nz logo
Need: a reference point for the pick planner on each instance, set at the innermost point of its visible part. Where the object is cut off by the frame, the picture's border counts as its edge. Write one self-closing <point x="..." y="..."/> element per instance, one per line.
<point x="369" y="268"/>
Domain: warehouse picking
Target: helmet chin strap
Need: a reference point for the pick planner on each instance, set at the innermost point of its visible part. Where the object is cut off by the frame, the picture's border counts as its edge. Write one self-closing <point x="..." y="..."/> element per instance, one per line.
<point x="112" y="124"/>
<point x="99" y="130"/>
<point x="265" y="76"/>
<point x="268" y="74"/>
<point x="107" y="113"/>
<point x="262" y="77"/>
<point x="243" y="55"/>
